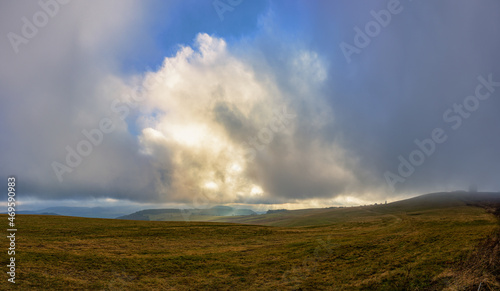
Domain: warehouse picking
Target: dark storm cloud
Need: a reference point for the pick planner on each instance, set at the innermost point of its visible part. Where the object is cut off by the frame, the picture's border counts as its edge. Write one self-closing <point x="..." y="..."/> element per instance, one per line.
<point x="58" y="83"/>
<point x="397" y="88"/>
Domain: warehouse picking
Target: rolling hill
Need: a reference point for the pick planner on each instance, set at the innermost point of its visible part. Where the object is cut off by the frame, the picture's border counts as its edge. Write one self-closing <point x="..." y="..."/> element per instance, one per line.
<point x="90" y="212"/>
<point x="413" y="206"/>
<point x="187" y="214"/>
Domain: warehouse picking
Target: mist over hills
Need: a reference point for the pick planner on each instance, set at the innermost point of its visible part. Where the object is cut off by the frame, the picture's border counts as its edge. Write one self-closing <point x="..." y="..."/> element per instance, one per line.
<point x="136" y="214"/>
<point x="187" y="214"/>
<point x="318" y="215"/>
<point x="227" y="213"/>
<point x="89" y="212"/>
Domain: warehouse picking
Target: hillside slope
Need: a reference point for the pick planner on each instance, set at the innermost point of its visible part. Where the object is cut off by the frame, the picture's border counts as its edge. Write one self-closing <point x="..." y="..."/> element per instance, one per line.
<point x="325" y="216"/>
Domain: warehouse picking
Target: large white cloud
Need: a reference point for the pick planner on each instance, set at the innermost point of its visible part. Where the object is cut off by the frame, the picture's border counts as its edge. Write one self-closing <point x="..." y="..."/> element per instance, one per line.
<point x="221" y="125"/>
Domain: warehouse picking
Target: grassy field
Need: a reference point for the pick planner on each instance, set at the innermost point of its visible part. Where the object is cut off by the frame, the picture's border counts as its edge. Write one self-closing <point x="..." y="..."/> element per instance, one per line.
<point x="417" y="245"/>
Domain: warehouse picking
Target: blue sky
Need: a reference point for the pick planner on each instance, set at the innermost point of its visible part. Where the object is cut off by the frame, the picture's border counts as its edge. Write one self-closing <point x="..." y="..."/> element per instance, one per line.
<point x="175" y="23"/>
<point x="280" y="104"/>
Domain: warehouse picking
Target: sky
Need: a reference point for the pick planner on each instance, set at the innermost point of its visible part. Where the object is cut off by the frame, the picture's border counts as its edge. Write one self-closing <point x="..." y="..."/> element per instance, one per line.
<point x="260" y="104"/>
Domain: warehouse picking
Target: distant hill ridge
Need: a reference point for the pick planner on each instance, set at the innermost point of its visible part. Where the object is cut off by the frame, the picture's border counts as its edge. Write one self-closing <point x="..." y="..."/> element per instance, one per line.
<point x="178" y="214"/>
<point x="90" y="212"/>
<point x="273" y="217"/>
<point x="326" y="216"/>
